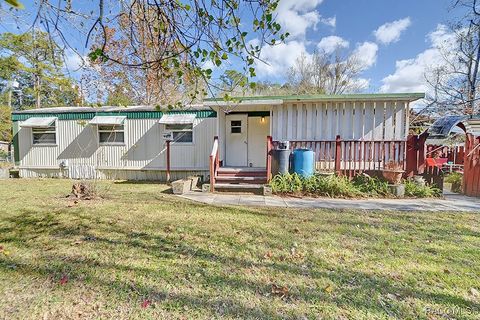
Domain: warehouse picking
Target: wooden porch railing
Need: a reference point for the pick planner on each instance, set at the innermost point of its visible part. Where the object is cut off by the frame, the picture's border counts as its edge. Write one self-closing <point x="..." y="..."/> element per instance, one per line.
<point x="214" y="163"/>
<point x="350" y="157"/>
<point x="269" y="158"/>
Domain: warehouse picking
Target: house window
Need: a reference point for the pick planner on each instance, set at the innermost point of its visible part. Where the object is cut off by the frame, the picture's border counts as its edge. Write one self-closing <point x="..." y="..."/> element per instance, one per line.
<point x="182" y="133"/>
<point x="111" y="134"/>
<point x="44" y="135"/>
<point x="236" y="126"/>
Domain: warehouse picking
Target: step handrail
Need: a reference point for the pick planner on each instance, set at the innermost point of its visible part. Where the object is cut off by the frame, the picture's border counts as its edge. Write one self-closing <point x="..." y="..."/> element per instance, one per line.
<point x="269" y="158"/>
<point x="214" y="163"/>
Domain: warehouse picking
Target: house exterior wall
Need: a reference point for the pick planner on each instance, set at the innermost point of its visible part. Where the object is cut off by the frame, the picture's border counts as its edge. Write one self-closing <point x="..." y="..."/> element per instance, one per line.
<point x="142" y="157"/>
<point x="352" y="120"/>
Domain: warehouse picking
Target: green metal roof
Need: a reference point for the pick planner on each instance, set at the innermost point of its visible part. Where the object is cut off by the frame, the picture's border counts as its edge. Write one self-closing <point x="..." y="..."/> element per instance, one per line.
<point x="326" y="97"/>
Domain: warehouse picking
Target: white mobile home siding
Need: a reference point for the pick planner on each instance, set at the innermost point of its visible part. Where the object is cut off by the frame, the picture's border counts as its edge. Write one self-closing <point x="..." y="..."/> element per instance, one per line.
<point x="143" y="156"/>
<point x="352" y="120"/>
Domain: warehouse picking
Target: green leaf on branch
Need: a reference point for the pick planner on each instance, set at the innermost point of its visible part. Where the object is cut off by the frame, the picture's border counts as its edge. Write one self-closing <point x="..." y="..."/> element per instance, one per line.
<point x="15" y="3"/>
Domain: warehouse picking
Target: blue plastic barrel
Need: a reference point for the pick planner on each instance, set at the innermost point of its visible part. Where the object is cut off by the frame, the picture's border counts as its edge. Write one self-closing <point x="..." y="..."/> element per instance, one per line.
<point x="303" y="162"/>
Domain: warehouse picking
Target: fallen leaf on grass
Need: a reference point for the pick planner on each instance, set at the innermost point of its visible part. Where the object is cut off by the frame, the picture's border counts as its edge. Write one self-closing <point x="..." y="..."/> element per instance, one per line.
<point x="393" y="296"/>
<point x="281" y="291"/>
<point x="328" y="289"/>
<point x="268" y="255"/>
<point x="446" y="271"/>
<point x="5" y="252"/>
<point x="146" y="303"/>
<point x="63" y="279"/>
<point x="474" y="292"/>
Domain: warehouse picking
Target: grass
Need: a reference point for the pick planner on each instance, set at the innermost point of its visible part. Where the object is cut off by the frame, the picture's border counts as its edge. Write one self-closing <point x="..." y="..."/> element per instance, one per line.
<point x="141" y="253"/>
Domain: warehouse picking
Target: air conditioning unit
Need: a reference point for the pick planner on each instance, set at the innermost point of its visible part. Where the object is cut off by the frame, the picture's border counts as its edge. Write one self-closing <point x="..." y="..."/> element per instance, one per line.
<point x="168" y="135"/>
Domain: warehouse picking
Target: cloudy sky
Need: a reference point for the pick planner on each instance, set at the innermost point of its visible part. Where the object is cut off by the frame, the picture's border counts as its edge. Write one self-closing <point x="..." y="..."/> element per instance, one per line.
<point x="396" y="40"/>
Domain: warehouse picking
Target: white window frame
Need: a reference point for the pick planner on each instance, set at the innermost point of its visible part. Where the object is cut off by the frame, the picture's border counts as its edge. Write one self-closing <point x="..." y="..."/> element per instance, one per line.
<point x="49" y="130"/>
<point x="173" y="131"/>
<point x="114" y="131"/>
<point x="236" y="126"/>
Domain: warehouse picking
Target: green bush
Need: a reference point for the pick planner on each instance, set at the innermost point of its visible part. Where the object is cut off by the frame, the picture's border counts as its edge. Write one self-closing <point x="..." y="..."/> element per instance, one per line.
<point x="342" y="187"/>
<point x="371" y="185"/>
<point x="413" y="189"/>
<point x="331" y="186"/>
<point x="287" y="183"/>
<point x="456" y="179"/>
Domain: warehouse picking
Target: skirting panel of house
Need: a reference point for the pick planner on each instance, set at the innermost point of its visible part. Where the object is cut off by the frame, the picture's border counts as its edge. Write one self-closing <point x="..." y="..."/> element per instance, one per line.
<point x="108" y="174"/>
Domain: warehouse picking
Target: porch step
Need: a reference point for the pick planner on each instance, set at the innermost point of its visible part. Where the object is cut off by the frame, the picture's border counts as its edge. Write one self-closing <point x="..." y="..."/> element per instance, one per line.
<point x="241" y="179"/>
<point x="239" y="188"/>
<point x="235" y="179"/>
<point x="242" y="172"/>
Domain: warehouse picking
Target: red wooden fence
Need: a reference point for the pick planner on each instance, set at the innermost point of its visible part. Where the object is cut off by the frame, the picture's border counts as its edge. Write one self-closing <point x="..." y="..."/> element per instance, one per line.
<point x="471" y="177"/>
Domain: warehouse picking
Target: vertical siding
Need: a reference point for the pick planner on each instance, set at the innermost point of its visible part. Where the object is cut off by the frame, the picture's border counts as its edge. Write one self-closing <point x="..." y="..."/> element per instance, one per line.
<point x="352" y="120"/>
<point x="144" y="148"/>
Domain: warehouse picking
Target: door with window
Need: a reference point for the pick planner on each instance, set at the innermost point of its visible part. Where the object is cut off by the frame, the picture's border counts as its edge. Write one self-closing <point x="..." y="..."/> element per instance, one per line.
<point x="236" y="140"/>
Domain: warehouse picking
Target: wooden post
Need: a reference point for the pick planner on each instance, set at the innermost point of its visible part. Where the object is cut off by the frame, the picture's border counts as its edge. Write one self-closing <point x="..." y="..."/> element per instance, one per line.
<point x="421" y="152"/>
<point x="214" y="163"/>
<point x="212" y="174"/>
<point x="168" y="160"/>
<point x="269" y="158"/>
<point x="338" y="154"/>
<point x="411" y="156"/>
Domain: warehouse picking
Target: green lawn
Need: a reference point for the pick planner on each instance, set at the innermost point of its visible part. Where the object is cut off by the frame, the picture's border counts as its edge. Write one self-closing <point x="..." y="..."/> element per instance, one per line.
<point x="141" y="253"/>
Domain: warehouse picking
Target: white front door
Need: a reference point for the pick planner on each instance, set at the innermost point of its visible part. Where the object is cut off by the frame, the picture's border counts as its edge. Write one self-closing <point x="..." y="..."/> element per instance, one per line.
<point x="236" y="140"/>
<point x="258" y="130"/>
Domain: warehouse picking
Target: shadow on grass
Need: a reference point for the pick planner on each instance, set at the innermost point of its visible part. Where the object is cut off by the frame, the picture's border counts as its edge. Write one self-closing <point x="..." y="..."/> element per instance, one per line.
<point x="359" y="290"/>
<point x="140" y="182"/>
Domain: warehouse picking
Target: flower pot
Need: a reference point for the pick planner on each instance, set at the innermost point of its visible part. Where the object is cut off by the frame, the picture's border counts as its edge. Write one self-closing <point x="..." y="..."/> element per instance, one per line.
<point x="393" y="176"/>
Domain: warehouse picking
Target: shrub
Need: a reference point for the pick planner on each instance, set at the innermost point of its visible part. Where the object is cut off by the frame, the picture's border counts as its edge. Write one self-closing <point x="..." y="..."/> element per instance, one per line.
<point x="413" y="189"/>
<point x="371" y="185"/>
<point x="342" y="187"/>
<point x="456" y="179"/>
<point x="332" y="186"/>
<point x="335" y="186"/>
<point x="287" y="183"/>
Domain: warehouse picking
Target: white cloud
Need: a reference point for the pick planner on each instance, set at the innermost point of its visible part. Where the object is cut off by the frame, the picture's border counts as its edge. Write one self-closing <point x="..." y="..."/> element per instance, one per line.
<point x="366" y="54"/>
<point x="332" y="43"/>
<point x="278" y="58"/>
<point x="296" y="17"/>
<point x="391" y="32"/>
<point x="361" y="84"/>
<point x="410" y="74"/>
<point x="332" y="22"/>
<point x="73" y="61"/>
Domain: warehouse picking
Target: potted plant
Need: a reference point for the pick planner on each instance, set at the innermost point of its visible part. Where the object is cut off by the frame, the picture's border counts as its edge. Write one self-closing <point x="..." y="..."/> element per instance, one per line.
<point x="393" y="172"/>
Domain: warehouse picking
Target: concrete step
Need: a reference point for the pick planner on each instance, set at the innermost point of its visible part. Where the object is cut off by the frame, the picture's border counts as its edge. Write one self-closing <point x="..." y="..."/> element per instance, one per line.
<point x="242" y="173"/>
<point x="241" y="179"/>
<point x="239" y="188"/>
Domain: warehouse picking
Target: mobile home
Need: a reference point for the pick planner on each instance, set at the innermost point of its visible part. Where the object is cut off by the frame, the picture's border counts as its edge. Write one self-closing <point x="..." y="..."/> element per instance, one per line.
<point x="143" y="143"/>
